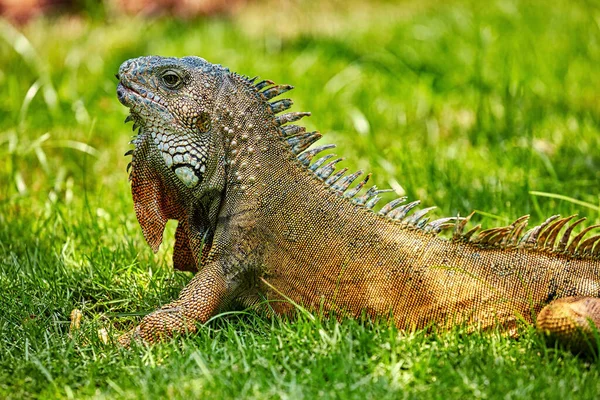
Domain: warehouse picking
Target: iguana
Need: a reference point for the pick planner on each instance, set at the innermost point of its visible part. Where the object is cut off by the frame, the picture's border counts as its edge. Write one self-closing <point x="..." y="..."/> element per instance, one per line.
<point x="268" y="224"/>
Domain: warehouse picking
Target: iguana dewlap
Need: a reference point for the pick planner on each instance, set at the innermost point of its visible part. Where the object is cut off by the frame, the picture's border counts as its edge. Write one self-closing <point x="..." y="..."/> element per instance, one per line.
<point x="267" y="223"/>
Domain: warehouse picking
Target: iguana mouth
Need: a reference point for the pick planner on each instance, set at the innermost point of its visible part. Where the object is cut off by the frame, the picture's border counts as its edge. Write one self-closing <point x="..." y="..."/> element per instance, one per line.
<point x="123" y="94"/>
<point x="131" y="96"/>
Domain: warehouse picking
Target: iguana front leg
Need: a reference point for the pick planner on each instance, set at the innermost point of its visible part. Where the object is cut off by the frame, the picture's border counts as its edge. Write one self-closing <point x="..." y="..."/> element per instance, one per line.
<point x="198" y="301"/>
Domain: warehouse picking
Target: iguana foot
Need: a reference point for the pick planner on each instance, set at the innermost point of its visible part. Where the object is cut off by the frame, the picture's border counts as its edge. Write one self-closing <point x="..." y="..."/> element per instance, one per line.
<point x="198" y="301"/>
<point x="572" y="320"/>
<point x="158" y="326"/>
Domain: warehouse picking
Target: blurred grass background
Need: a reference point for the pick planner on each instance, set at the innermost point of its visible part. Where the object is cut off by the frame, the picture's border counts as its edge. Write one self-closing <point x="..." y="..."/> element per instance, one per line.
<point x="464" y="105"/>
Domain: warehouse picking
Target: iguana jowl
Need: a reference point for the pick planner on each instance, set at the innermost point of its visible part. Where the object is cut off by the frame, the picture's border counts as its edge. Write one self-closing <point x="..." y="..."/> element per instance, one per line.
<point x="267" y="224"/>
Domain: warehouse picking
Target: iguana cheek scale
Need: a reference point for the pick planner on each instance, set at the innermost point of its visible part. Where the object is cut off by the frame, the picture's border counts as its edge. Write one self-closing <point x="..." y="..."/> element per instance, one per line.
<point x="269" y="224"/>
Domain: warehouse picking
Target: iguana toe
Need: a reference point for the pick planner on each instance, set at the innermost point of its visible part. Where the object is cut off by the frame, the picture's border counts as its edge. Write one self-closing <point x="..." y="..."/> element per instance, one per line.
<point x="158" y="326"/>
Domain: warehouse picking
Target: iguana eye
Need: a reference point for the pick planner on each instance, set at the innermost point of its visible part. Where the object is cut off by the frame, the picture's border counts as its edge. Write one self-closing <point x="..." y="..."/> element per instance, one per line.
<point x="171" y="79"/>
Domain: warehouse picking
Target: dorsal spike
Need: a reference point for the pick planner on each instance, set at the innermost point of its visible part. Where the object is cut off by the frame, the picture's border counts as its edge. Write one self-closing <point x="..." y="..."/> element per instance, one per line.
<point x="128" y="153"/>
<point x="372" y="191"/>
<point x="128" y="167"/>
<point x="276" y="91"/>
<point x="493" y="235"/>
<point x="575" y="242"/>
<point x="281" y="105"/>
<point x="290" y="130"/>
<point x="534" y="235"/>
<point x="301" y="142"/>
<point x="554" y="230"/>
<point x="443" y="227"/>
<point x="421" y="223"/>
<point x="320" y="162"/>
<point x="438" y="225"/>
<point x="290" y="117"/>
<point x="518" y="226"/>
<point x="417" y="215"/>
<point x="564" y="240"/>
<point x="500" y="238"/>
<point x="470" y="232"/>
<point x="546" y="231"/>
<point x="596" y="252"/>
<point x="372" y="201"/>
<point x="354" y="191"/>
<point x="524" y="240"/>
<point x="401" y="212"/>
<point x="381" y="191"/>
<point x="391" y="205"/>
<point x="346" y="181"/>
<point x="457" y="235"/>
<point x="263" y="83"/>
<point x="327" y="169"/>
<point x="334" y="178"/>
<point x="586" y="247"/>
<point x="361" y="200"/>
<point x="307" y="156"/>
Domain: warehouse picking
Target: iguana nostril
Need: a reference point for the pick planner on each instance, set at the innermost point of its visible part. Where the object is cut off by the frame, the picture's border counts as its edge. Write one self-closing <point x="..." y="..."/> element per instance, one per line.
<point x="125" y="68"/>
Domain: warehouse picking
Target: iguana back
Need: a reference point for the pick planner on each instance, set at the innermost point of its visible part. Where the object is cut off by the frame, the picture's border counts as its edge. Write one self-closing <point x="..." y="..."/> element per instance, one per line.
<point x="270" y="227"/>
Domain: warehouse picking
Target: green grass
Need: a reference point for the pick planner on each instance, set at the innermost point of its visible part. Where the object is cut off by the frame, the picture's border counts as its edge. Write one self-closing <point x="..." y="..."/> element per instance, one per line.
<point x="467" y="107"/>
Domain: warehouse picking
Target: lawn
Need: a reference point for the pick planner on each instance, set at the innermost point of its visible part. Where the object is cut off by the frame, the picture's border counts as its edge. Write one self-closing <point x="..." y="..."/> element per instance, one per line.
<point x="492" y="108"/>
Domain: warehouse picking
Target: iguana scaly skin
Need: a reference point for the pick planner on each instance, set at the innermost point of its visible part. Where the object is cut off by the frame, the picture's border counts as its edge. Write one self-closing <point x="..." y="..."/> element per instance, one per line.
<point x="265" y="226"/>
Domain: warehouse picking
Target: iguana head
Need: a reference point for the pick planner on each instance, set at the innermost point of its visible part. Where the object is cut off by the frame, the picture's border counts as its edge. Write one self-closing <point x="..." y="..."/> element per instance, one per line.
<point x="173" y="102"/>
<point x="203" y="131"/>
<point x="177" y="163"/>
